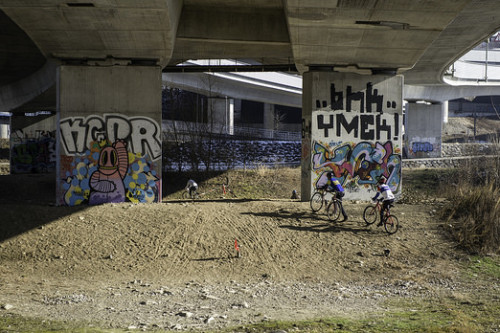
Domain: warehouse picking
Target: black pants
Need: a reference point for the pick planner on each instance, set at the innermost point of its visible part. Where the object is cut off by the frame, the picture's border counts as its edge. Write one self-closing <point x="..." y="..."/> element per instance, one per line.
<point x="385" y="206"/>
<point x="339" y="196"/>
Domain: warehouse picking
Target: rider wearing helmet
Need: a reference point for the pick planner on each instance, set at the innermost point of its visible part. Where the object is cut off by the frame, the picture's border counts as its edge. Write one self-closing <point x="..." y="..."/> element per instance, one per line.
<point x="387" y="196"/>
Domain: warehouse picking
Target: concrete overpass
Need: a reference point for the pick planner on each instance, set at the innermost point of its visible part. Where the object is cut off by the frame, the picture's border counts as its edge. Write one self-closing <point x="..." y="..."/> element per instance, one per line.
<point x="107" y="58"/>
<point x="417" y="39"/>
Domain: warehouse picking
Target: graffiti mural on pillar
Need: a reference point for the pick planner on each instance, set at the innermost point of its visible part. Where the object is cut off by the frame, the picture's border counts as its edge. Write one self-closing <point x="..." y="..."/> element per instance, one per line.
<point x="357" y="136"/>
<point x="34" y="153"/>
<point x="357" y="165"/>
<point x="424" y="148"/>
<point x="109" y="160"/>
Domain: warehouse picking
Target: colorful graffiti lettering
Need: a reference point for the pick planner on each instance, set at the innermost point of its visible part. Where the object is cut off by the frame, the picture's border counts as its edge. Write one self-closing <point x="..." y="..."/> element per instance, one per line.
<point x="421" y="147"/>
<point x="357" y="164"/>
<point x="109" y="159"/>
<point x="356" y="133"/>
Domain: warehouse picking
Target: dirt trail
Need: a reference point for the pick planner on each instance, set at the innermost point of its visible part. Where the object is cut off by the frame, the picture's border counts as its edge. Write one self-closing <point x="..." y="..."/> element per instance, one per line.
<point x="174" y="265"/>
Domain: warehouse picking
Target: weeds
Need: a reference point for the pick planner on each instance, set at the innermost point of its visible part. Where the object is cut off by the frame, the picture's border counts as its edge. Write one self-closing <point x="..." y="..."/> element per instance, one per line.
<point x="473" y="219"/>
<point x="473" y="212"/>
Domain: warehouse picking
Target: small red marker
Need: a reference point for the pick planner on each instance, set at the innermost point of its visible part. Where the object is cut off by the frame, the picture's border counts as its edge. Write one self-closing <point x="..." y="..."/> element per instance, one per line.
<point x="237" y="248"/>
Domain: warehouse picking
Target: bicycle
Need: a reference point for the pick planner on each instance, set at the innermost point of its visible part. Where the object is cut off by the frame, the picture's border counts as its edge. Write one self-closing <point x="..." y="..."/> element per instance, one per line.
<point x="390" y="222"/>
<point x="333" y="209"/>
<point x="318" y="199"/>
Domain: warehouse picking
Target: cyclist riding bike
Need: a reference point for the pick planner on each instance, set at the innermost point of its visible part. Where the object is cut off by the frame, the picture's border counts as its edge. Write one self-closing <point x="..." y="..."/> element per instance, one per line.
<point x="334" y="186"/>
<point x="387" y="197"/>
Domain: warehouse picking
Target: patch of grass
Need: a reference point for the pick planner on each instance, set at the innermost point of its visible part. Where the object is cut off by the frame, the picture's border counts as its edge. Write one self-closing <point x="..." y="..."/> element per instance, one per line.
<point x="484" y="267"/>
<point x="13" y="323"/>
<point x="256" y="183"/>
<point x="418" y="316"/>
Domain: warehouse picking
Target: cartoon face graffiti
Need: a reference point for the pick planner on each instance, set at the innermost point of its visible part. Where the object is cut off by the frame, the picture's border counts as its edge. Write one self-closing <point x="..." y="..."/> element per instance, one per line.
<point x="106" y="182"/>
<point x="108" y="161"/>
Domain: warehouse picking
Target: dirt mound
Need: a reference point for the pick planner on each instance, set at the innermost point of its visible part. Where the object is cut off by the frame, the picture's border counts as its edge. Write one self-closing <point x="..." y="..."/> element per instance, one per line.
<point x="175" y="265"/>
<point x="462" y="129"/>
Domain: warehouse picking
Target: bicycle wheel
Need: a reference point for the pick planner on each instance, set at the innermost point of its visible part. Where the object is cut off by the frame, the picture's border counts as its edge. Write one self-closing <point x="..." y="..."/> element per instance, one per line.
<point x="391" y="224"/>
<point x="333" y="210"/>
<point x="370" y="214"/>
<point x="316" y="201"/>
<point x="185" y="195"/>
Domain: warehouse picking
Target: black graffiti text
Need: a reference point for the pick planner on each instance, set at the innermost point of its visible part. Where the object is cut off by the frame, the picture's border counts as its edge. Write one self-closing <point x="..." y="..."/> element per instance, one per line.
<point x="367" y="102"/>
<point x="363" y="126"/>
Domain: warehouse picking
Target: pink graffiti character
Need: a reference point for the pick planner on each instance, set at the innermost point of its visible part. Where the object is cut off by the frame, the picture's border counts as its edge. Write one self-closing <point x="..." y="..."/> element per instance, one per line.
<point x="106" y="182"/>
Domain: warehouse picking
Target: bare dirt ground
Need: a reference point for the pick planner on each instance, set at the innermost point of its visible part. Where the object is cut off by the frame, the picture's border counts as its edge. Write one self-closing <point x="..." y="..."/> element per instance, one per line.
<point x="174" y="265"/>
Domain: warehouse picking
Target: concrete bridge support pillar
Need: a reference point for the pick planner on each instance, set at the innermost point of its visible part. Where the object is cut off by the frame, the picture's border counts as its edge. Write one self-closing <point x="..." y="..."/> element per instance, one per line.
<point x="423" y="130"/>
<point x="230" y="115"/>
<point x="269" y="119"/>
<point x="221" y="115"/>
<point x="4" y="131"/>
<point x="444" y="108"/>
<point x="351" y="126"/>
<point x="108" y="134"/>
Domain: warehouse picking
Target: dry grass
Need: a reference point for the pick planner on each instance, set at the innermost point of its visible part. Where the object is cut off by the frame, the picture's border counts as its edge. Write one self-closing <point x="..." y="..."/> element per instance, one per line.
<point x="473" y="212"/>
<point x="473" y="219"/>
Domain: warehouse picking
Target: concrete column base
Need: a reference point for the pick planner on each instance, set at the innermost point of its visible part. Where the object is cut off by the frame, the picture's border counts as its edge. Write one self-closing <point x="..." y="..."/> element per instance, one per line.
<point x="423" y="130"/>
<point x="351" y="126"/>
<point x="108" y="135"/>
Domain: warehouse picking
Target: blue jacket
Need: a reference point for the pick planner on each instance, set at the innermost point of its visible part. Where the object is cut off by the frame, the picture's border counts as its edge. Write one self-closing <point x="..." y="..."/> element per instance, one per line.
<point x="334" y="185"/>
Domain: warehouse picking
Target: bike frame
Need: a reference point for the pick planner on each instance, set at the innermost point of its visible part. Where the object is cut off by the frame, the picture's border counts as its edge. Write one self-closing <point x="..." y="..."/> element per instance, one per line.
<point x="378" y="207"/>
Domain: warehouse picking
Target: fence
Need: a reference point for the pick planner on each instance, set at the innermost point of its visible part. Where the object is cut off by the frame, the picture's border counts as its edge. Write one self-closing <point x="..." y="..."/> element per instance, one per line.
<point x="188" y="128"/>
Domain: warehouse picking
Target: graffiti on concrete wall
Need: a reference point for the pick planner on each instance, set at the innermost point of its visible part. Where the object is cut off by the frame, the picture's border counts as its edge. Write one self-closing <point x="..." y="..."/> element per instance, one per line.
<point x="362" y="127"/>
<point x="357" y="165"/>
<point x="424" y="148"/>
<point x="109" y="160"/>
<point x="33" y="153"/>
<point x="367" y="100"/>
<point x="357" y="136"/>
<point x="142" y="133"/>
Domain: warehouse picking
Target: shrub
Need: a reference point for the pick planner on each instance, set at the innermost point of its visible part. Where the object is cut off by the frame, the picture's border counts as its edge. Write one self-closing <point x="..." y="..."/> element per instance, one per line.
<point x="473" y="218"/>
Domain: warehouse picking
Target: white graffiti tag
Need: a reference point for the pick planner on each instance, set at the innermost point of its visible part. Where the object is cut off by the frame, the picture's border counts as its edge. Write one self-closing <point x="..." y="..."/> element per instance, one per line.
<point x="142" y="134"/>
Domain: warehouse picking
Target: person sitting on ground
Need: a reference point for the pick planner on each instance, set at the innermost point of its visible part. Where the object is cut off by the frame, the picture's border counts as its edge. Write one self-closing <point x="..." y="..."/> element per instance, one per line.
<point x="387" y="197"/>
<point x="191" y="187"/>
<point x="333" y="185"/>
